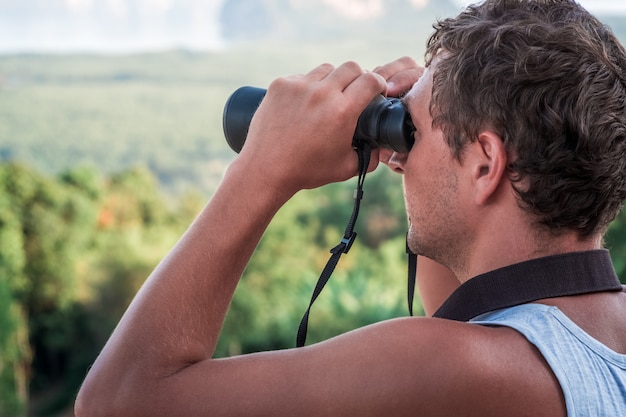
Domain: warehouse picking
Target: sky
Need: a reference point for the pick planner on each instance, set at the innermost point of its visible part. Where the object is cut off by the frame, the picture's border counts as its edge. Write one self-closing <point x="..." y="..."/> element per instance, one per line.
<point x="132" y="25"/>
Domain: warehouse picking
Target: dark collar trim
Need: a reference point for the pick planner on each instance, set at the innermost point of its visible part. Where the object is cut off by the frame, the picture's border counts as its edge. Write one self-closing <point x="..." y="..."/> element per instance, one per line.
<point x="553" y="276"/>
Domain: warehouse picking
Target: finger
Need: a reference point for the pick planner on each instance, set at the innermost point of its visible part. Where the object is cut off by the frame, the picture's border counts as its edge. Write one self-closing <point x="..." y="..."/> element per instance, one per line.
<point x="400" y="64"/>
<point x="374" y="159"/>
<point x="363" y="89"/>
<point x="344" y="74"/>
<point x="403" y="81"/>
<point x="400" y="74"/>
<point x="320" y="72"/>
<point x="384" y="155"/>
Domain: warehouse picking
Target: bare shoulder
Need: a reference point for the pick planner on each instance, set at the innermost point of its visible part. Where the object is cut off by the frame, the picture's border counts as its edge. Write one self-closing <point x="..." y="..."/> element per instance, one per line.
<point x="466" y="369"/>
<point x="402" y="367"/>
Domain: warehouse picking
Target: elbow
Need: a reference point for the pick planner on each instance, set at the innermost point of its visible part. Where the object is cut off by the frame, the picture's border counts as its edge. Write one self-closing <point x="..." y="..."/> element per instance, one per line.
<point x="86" y="406"/>
<point x="104" y="396"/>
<point x="101" y="398"/>
<point x="92" y="402"/>
<point x="82" y="405"/>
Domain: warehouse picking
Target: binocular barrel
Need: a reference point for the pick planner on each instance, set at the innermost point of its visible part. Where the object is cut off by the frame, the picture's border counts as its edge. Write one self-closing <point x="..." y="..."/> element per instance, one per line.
<point x="385" y="122"/>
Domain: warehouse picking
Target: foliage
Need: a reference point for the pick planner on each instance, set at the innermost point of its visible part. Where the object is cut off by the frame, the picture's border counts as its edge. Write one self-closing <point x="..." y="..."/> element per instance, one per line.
<point x="616" y="242"/>
<point x="82" y="230"/>
<point x="366" y="287"/>
<point x="161" y="110"/>
<point x="77" y="247"/>
<point x="14" y="348"/>
<point x="59" y="237"/>
<point x="107" y="159"/>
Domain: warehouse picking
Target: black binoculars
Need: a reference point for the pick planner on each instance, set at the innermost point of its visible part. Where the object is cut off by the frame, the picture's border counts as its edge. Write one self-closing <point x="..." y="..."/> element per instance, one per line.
<point x="385" y="122"/>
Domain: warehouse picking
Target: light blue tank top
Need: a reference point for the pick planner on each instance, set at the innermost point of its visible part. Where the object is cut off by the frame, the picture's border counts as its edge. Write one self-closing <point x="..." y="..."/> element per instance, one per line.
<point x="592" y="376"/>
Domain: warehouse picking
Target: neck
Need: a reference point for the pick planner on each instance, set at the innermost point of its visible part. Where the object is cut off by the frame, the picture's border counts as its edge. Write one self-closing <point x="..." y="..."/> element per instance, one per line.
<point x="517" y="245"/>
<point x="570" y="274"/>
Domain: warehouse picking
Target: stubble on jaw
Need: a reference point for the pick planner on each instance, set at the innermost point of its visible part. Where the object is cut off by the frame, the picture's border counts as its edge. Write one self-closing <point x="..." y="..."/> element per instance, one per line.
<point x="437" y="230"/>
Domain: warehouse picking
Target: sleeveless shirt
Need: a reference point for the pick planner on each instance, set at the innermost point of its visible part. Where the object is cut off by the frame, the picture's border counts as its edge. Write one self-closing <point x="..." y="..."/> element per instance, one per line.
<point x="592" y="376"/>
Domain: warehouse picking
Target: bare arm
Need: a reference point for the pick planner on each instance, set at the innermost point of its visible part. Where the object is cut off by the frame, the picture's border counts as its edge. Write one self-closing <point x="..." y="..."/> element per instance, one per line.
<point x="300" y="138"/>
<point x="158" y="362"/>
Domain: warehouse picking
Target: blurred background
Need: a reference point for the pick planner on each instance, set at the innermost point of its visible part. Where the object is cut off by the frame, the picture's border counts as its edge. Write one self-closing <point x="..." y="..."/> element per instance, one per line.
<point x="111" y="142"/>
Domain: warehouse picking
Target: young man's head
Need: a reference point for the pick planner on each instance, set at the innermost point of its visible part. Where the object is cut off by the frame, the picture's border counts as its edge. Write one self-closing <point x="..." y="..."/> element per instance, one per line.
<point x="550" y="80"/>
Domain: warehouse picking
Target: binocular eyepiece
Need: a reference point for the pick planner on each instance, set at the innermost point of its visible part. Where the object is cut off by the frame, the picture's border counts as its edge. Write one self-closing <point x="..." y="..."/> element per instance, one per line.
<point x="385" y="122"/>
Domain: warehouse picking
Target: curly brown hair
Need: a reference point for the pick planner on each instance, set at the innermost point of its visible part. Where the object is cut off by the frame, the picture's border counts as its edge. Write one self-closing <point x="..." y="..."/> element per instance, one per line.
<point x="550" y="79"/>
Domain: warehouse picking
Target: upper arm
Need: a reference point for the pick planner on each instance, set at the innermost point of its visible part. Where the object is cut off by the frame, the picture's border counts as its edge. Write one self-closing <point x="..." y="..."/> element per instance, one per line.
<point x="371" y="371"/>
<point x="401" y="367"/>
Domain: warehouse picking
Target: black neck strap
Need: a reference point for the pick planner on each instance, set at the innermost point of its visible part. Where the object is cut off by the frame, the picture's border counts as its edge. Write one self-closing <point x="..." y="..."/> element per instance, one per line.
<point x="553" y="276"/>
<point x="364" y="152"/>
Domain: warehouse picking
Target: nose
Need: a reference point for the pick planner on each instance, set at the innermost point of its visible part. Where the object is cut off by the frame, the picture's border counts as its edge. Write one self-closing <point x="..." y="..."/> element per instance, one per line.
<point x="394" y="160"/>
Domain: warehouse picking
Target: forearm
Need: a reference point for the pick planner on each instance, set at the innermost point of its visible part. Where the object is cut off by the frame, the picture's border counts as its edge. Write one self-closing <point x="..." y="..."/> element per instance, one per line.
<point x="192" y="287"/>
<point x="299" y="138"/>
<point x="175" y="319"/>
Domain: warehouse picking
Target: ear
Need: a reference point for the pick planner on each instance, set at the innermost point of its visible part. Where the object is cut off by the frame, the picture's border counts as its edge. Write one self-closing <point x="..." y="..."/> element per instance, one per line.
<point x="489" y="161"/>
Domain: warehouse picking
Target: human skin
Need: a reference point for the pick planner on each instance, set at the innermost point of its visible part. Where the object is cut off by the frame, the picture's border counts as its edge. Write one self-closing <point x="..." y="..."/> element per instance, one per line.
<point x="159" y="359"/>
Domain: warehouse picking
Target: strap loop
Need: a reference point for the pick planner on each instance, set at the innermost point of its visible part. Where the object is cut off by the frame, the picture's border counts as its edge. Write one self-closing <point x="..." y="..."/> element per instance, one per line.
<point x="347" y="242"/>
<point x="364" y="152"/>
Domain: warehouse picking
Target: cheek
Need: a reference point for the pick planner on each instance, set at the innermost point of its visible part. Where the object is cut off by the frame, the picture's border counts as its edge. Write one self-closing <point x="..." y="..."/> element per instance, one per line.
<point x="413" y="192"/>
<point x="408" y="195"/>
<point x="418" y="171"/>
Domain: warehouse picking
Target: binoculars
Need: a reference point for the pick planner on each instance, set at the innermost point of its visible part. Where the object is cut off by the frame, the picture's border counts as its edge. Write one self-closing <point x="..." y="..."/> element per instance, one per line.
<point x="385" y="122"/>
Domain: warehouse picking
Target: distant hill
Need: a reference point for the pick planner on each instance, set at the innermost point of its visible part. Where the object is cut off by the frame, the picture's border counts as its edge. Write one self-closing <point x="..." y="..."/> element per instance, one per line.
<point x="325" y="19"/>
<point x="139" y="25"/>
<point x="163" y="109"/>
<point x="142" y="25"/>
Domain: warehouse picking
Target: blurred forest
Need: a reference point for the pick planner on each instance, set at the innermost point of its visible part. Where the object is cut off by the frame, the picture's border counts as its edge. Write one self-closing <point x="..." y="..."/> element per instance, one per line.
<point x="105" y="160"/>
<point x="77" y="246"/>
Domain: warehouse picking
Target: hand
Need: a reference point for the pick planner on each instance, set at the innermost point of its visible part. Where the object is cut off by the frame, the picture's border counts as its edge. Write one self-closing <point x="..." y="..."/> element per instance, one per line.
<point x="301" y="135"/>
<point x="400" y="75"/>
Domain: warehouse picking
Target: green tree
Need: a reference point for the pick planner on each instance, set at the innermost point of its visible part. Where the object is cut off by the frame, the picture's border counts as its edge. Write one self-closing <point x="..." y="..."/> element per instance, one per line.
<point x="367" y="286"/>
<point x="74" y="250"/>
<point x="46" y="227"/>
<point x="14" y="347"/>
<point x="616" y="242"/>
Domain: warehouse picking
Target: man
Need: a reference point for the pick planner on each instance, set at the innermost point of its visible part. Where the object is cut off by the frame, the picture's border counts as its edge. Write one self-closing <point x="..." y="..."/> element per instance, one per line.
<point x="519" y="159"/>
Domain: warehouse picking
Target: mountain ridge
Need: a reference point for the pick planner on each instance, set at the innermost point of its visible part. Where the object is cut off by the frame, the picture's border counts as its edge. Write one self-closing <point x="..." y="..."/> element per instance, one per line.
<point x="149" y="25"/>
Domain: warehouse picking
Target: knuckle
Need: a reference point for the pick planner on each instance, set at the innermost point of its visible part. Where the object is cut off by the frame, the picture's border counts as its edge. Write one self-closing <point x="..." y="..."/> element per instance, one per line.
<point x="407" y="61"/>
<point x="352" y="66"/>
<point x="317" y="94"/>
<point x="278" y="83"/>
<point x="374" y="81"/>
